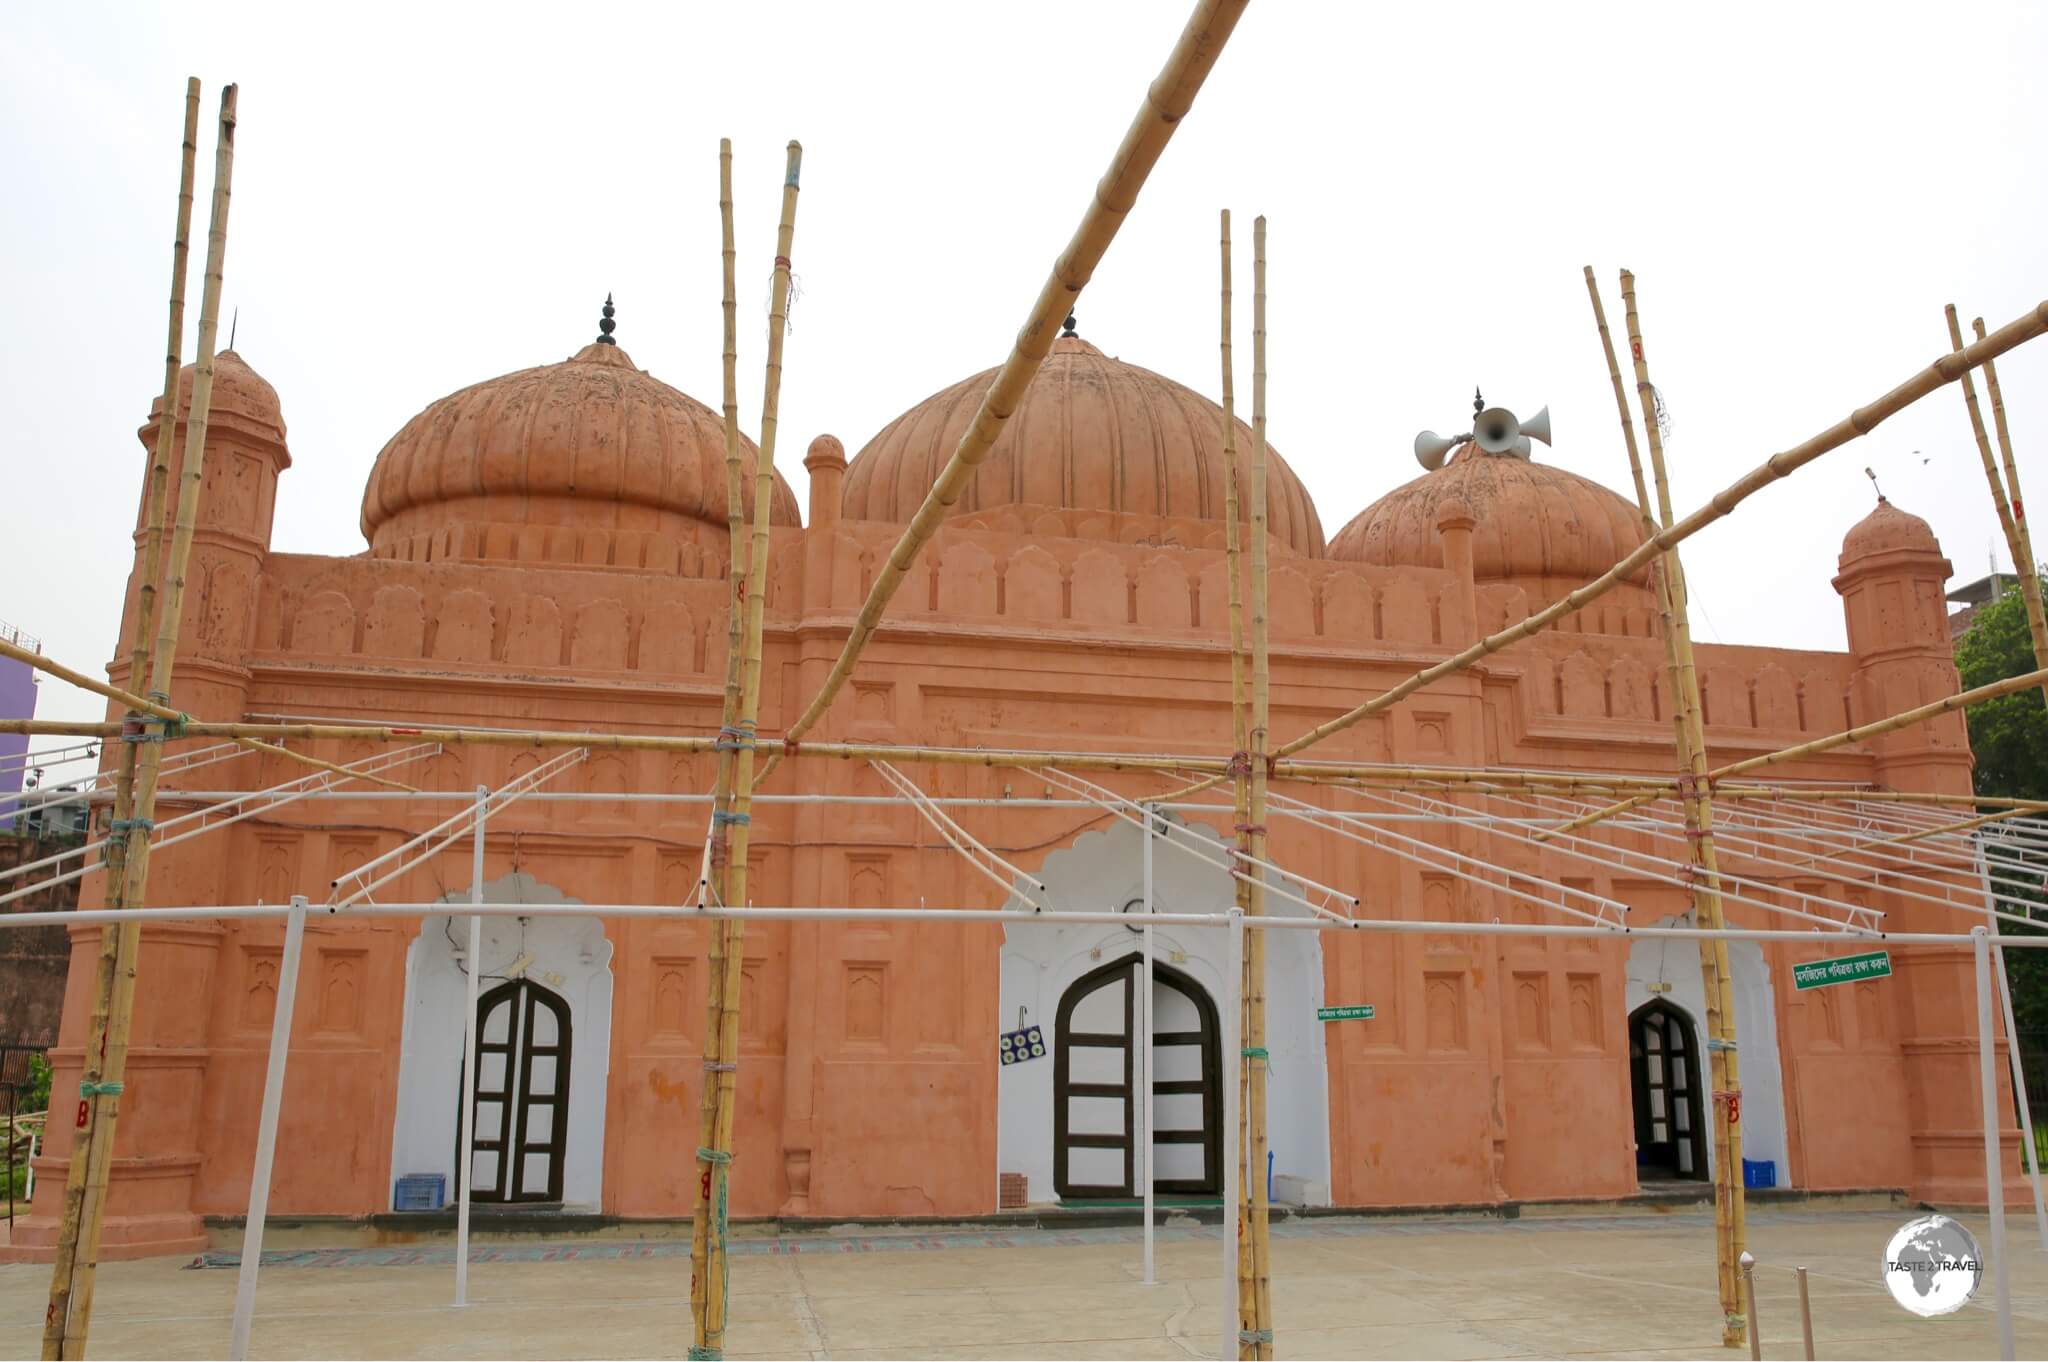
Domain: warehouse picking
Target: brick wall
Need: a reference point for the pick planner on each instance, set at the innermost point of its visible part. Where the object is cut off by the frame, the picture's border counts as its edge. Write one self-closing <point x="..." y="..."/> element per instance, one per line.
<point x="33" y="960"/>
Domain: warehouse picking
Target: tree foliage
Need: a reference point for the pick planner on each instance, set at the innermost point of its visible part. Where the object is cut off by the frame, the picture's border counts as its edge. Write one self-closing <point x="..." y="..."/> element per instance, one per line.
<point x="2009" y="734"/>
<point x="2010" y="738"/>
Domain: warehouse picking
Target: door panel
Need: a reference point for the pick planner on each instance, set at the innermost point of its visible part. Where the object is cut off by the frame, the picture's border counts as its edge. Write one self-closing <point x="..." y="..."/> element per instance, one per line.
<point x="522" y="1065"/>
<point x="1095" y="1083"/>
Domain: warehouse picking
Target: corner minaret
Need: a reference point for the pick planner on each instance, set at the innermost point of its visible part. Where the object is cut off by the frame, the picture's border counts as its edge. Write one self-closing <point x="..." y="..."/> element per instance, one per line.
<point x="1891" y="579"/>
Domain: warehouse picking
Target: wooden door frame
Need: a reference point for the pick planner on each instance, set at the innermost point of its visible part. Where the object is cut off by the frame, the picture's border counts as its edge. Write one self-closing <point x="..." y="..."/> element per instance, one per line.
<point x="511" y="1145"/>
<point x="1696" y="1083"/>
<point x="1206" y="1036"/>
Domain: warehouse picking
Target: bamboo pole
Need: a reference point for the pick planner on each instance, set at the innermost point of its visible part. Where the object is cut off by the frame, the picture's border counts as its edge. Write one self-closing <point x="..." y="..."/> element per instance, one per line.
<point x="730" y="734"/>
<point x="2012" y="511"/>
<point x="1239" y="725"/>
<point x="120" y="1007"/>
<point x="1255" y="1306"/>
<point x="1730" y="1229"/>
<point x="1167" y="102"/>
<point x="1858" y="423"/>
<point x="145" y="613"/>
<point x="1945" y="705"/>
<point x="155" y="479"/>
<point x="716" y="1159"/>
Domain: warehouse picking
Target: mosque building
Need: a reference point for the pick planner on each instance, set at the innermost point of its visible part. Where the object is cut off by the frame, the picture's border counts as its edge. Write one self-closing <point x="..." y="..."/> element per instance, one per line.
<point x="547" y="549"/>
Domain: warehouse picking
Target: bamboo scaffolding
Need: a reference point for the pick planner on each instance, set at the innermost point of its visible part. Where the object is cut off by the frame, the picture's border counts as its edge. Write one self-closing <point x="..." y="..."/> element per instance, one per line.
<point x="730" y="735"/>
<point x="1906" y="718"/>
<point x="1731" y="1232"/>
<point x="1167" y="102"/>
<point x="141" y="705"/>
<point x="2010" y="507"/>
<point x="715" y="1159"/>
<point x="68" y="1318"/>
<point x="1858" y="423"/>
<point x="1255" y="1305"/>
<point x="56" y="1320"/>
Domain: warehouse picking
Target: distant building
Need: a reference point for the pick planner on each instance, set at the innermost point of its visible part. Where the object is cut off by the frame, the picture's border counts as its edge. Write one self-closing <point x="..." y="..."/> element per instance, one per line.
<point x="1975" y="597"/>
<point x="17" y="701"/>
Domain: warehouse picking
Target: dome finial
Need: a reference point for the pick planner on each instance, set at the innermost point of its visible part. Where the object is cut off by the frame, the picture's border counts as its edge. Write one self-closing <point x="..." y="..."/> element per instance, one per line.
<point x="607" y="326"/>
<point x="1872" y="475"/>
<point x="1478" y="402"/>
<point x="1069" y="331"/>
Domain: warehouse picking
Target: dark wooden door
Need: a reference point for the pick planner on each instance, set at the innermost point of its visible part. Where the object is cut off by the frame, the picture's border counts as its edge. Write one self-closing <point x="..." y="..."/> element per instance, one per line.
<point x="1095" y="1062"/>
<point x="1665" y="1074"/>
<point x="522" y="1094"/>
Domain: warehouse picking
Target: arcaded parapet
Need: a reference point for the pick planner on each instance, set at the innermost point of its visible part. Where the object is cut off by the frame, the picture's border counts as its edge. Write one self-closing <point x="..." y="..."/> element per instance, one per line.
<point x="1098" y="449"/>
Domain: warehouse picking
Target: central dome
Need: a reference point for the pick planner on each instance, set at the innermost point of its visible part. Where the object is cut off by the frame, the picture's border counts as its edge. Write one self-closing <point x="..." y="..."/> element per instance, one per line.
<point x="592" y="443"/>
<point x="1097" y="449"/>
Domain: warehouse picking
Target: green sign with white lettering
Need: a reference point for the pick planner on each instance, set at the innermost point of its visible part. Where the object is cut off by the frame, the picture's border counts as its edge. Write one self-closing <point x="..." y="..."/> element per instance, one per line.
<point x="1847" y="970"/>
<point x="1344" y="1013"/>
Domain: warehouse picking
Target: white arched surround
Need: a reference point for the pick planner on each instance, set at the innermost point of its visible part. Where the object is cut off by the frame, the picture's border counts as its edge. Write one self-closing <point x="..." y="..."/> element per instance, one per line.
<point x="571" y="957"/>
<point x="1041" y="960"/>
<point x="1676" y="963"/>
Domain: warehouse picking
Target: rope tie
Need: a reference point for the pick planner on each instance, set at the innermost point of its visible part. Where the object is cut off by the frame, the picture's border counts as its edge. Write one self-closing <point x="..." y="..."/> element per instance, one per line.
<point x="1714" y="1043"/>
<point x="1254" y="1335"/>
<point x="715" y="1190"/>
<point x="1254" y="1052"/>
<point x="734" y="738"/>
<point x="1733" y="1097"/>
<point x="88" y="1088"/>
<point x="1250" y="829"/>
<point x="713" y="1066"/>
<point x="1240" y="764"/>
<point x="124" y="824"/>
<point x="721" y="817"/>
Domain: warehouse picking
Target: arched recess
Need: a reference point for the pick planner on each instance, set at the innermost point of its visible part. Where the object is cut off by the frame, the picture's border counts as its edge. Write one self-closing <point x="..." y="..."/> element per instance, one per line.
<point x="1102" y="870"/>
<point x="567" y="956"/>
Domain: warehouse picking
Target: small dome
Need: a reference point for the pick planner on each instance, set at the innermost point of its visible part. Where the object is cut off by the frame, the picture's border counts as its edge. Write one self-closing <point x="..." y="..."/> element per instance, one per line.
<point x="1885" y="529"/>
<point x="1534" y="524"/>
<point x="590" y="442"/>
<point x="241" y="397"/>
<point x="1103" y="448"/>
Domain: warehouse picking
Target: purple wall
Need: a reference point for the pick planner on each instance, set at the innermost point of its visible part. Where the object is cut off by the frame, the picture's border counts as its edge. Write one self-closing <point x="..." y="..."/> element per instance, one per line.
<point x="17" y="701"/>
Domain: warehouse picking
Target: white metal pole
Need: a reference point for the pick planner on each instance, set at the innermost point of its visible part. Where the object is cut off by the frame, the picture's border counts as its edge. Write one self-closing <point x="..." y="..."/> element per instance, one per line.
<point x="1145" y="1083"/>
<point x="266" y="1128"/>
<point x="1994" y="1181"/>
<point x="1233" y="1155"/>
<point x="2012" y="1054"/>
<point x="473" y="965"/>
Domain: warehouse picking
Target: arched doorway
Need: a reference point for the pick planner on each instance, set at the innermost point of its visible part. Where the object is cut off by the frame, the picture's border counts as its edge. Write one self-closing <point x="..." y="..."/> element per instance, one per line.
<point x="1095" y="1065"/>
<point x="522" y="1094"/>
<point x="1668" y="1083"/>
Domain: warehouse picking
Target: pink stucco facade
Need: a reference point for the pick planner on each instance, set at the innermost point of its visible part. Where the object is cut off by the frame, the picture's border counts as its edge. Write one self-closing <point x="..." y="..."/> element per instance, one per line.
<point x="548" y="550"/>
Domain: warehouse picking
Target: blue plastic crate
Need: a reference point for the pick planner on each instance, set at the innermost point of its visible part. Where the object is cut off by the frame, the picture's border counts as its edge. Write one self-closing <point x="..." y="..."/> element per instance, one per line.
<point x="423" y="1192"/>
<point x="1759" y="1173"/>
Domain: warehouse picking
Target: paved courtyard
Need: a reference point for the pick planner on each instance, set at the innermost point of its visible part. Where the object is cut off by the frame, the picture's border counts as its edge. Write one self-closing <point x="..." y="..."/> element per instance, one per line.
<point x="1638" y="1285"/>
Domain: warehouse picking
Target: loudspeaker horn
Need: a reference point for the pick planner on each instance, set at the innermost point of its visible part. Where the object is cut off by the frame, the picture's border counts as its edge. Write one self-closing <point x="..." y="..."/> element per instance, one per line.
<point x="1431" y="447"/>
<point x="1496" y="430"/>
<point x="1537" y="427"/>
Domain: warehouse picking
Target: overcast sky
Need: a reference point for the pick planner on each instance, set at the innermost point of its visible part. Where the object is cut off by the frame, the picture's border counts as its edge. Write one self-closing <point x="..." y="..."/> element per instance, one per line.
<point x="426" y="196"/>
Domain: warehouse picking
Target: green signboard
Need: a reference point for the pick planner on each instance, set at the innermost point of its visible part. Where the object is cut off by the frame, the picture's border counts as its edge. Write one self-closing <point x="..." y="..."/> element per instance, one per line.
<point x="1363" y="1013"/>
<point x="1847" y="970"/>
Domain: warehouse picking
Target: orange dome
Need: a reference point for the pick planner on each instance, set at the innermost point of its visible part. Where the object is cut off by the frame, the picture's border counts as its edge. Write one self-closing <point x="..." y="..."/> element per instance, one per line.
<point x="241" y="398"/>
<point x="1535" y="523"/>
<point x="590" y="442"/>
<point x="1885" y="529"/>
<point x="1105" y="449"/>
